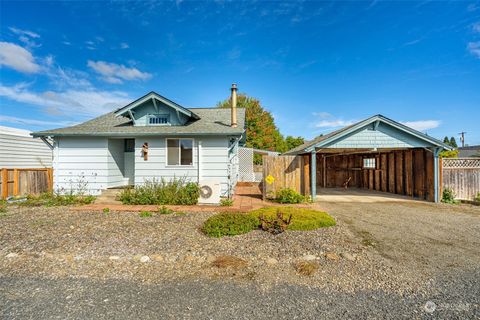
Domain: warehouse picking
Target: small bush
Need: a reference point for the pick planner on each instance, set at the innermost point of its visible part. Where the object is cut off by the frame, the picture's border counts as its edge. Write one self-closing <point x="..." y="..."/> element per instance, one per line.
<point x="477" y="197"/>
<point x="229" y="224"/>
<point x="289" y="196"/>
<point x="106" y="210"/>
<point x="50" y="199"/>
<point x="302" y="218"/>
<point x="226" y="202"/>
<point x="448" y="196"/>
<point x="275" y="225"/>
<point x="306" y="268"/>
<point x="165" y="210"/>
<point x="146" y="214"/>
<point x="3" y="206"/>
<point x="174" y="192"/>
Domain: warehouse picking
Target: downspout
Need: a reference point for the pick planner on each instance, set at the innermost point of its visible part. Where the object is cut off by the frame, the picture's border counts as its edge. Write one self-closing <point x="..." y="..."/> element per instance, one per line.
<point x="313" y="174"/>
<point x="436" y="168"/>
<point x="199" y="157"/>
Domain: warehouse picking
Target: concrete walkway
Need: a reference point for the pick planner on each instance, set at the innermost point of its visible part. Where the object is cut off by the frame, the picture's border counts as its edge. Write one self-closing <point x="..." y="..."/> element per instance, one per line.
<point x="358" y="195"/>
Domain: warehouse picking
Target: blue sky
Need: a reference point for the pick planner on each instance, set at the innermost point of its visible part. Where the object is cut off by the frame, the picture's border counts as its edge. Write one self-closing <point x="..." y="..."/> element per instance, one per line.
<point x="315" y="65"/>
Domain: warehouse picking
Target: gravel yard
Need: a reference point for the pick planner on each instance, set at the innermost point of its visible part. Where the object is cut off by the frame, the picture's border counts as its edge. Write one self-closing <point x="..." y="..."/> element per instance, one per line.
<point x="410" y="251"/>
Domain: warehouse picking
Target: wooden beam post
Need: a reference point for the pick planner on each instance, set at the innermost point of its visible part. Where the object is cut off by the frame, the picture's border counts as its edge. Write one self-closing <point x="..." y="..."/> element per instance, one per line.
<point x="313" y="174"/>
<point x="436" y="180"/>
<point x="15" y="182"/>
<point x="50" y="179"/>
<point x="4" y="183"/>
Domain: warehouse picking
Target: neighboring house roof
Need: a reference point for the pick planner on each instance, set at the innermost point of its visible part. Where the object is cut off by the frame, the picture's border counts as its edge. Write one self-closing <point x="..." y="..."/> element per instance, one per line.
<point x="152" y="96"/>
<point x="212" y="121"/>
<point x="470" y="151"/>
<point x="329" y="138"/>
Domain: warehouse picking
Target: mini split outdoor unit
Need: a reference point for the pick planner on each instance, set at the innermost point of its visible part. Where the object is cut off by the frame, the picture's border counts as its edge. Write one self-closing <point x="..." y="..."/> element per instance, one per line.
<point x="209" y="192"/>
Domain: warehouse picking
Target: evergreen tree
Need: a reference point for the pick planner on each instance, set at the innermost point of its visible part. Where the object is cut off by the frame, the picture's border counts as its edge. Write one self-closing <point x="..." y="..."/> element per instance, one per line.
<point x="446" y="140"/>
<point x="453" y="142"/>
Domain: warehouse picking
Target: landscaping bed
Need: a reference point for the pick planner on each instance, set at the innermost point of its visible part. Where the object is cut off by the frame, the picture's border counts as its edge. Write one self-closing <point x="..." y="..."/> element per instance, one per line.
<point x="59" y="242"/>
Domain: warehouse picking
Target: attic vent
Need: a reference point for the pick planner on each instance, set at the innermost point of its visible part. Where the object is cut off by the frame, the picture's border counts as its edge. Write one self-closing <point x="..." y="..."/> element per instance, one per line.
<point x="158" y="119"/>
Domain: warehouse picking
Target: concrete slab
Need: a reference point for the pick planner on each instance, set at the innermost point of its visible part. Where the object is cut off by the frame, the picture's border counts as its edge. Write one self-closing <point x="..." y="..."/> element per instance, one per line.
<point x="358" y="195"/>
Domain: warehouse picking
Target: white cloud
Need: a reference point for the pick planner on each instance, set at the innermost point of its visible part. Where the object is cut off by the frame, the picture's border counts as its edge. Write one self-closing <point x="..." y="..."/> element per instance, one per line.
<point x="422" y="125"/>
<point x="116" y="73"/>
<point x="18" y="58"/>
<point x="474" y="48"/>
<point x="27" y="37"/>
<point x="329" y="121"/>
<point x="34" y="122"/>
<point x="87" y="102"/>
<point x="124" y="45"/>
<point x="27" y="33"/>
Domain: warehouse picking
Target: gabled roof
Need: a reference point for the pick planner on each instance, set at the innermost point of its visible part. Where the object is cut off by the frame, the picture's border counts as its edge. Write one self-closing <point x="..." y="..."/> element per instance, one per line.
<point x="151" y="96"/>
<point x="324" y="140"/>
<point x="212" y="121"/>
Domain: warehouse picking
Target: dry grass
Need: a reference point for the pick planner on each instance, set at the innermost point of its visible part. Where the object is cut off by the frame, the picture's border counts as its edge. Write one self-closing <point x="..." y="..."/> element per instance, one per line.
<point x="229" y="262"/>
<point x="306" y="268"/>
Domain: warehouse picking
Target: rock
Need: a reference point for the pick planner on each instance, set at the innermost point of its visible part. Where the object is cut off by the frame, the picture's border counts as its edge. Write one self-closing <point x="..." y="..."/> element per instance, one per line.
<point x="429" y="307"/>
<point x="331" y="256"/>
<point x="12" y="255"/>
<point x="157" y="257"/>
<point x="145" y="259"/>
<point x="348" y="256"/>
<point x="189" y="258"/>
<point x="271" y="261"/>
<point x="309" y="257"/>
<point x="114" y="258"/>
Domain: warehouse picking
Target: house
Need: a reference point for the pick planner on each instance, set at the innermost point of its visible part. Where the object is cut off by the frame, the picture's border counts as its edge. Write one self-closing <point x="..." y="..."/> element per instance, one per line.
<point x="469" y="151"/>
<point x="150" y="138"/>
<point x="19" y="150"/>
<point x="377" y="154"/>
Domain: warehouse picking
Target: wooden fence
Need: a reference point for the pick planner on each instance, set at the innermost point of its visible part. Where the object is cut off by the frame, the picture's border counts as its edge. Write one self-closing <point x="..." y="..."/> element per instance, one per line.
<point x="462" y="175"/>
<point x="16" y="182"/>
<point x="281" y="172"/>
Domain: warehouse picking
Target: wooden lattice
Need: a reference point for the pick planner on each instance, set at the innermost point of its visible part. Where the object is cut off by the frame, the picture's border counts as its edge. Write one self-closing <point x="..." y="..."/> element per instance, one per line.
<point x="461" y="163"/>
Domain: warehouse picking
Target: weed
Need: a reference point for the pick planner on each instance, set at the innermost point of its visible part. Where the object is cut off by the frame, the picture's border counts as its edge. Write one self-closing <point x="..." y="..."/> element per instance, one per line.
<point x="165" y="210"/>
<point x="51" y="199"/>
<point x="146" y="214"/>
<point x="306" y="268"/>
<point x="226" y="202"/>
<point x="448" y="196"/>
<point x="229" y="262"/>
<point x="477" y="197"/>
<point x="289" y="196"/>
<point x="106" y="210"/>
<point x="302" y="219"/>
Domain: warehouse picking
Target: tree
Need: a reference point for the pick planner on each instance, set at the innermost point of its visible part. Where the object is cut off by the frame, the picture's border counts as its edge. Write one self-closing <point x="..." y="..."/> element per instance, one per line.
<point x="292" y="142"/>
<point x="446" y="140"/>
<point x="453" y="142"/>
<point x="262" y="133"/>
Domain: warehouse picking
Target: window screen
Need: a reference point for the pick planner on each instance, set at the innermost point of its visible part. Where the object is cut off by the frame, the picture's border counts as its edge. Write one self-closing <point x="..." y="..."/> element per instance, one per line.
<point x="369" y="163"/>
<point x="179" y="152"/>
<point x="129" y="145"/>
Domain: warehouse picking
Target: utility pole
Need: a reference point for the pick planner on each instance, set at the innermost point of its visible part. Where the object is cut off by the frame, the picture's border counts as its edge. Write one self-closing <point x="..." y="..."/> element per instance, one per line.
<point x="462" y="138"/>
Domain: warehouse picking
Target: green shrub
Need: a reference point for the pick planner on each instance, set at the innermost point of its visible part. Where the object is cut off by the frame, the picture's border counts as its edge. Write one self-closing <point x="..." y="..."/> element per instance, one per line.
<point x="146" y="214"/>
<point x="165" y="210"/>
<point x="106" y="210"/>
<point x="229" y="224"/>
<point x="3" y="206"/>
<point x="174" y="192"/>
<point x="448" y="196"/>
<point x="477" y="197"/>
<point x="50" y="199"/>
<point x="302" y="218"/>
<point x="226" y="202"/>
<point x="289" y="196"/>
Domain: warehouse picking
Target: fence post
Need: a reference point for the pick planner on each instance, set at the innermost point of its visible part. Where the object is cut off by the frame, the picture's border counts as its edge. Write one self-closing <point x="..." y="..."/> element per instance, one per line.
<point x="4" y="183"/>
<point x="50" y="179"/>
<point x="15" y="182"/>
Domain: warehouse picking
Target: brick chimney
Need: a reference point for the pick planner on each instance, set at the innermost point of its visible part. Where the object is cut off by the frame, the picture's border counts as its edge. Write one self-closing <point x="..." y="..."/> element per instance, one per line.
<point x="233" y="101"/>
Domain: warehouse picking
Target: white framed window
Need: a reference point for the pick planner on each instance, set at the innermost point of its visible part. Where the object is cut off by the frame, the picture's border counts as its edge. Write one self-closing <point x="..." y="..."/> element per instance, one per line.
<point x="179" y="152"/>
<point x="369" y="163"/>
<point x="158" y="119"/>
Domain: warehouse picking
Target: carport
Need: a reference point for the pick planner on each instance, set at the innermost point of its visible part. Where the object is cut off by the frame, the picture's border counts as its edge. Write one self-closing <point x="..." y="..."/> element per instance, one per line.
<point x="375" y="154"/>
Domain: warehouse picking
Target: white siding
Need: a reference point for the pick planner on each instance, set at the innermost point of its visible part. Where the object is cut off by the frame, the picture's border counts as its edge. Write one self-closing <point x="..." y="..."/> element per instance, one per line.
<point x="20" y="150"/>
<point x="213" y="159"/>
<point x="80" y="164"/>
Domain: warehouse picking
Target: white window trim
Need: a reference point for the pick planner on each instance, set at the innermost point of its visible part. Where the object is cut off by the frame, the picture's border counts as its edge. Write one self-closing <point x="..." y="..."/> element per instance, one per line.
<point x="179" y="154"/>
<point x="154" y="115"/>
